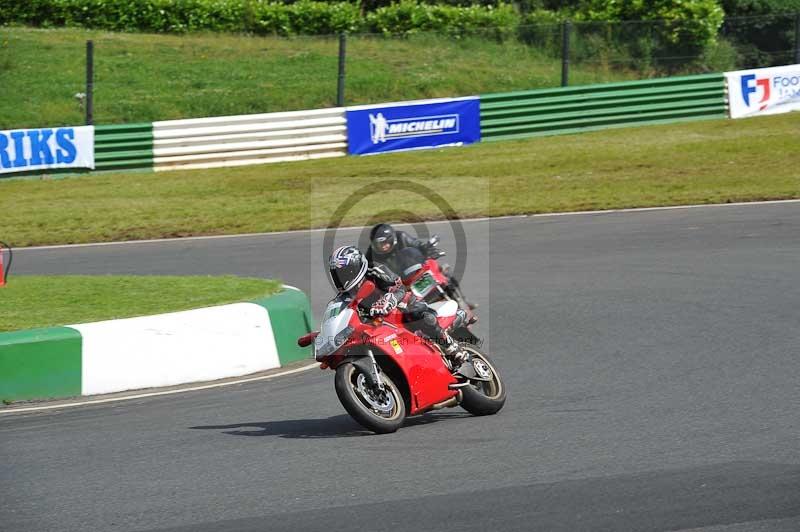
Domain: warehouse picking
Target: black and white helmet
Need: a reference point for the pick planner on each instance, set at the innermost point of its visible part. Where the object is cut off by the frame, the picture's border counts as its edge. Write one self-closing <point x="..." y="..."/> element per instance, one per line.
<point x="347" y="268"/>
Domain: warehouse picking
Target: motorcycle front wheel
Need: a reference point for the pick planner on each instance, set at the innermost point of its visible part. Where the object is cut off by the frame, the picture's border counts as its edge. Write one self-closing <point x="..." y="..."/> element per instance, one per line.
<point x="381" y="411"/>
<point x="483" y="398"/>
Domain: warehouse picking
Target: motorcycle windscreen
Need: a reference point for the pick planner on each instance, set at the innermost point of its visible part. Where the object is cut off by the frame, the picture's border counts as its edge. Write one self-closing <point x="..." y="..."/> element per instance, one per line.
<point x="335" y="329"/>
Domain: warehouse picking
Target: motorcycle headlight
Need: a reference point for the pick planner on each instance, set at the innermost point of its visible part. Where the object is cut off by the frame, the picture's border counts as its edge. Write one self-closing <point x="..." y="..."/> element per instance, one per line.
<point x="329" y="346"/>
<point x="343" y="336"/>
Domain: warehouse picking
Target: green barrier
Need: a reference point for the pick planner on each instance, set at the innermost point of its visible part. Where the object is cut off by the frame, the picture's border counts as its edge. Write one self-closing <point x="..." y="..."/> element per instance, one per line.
<point x="291" y="318"/>
<point x="585" y="108"/>
<point x="40" y="364"/>
<point x="123" y="147"/>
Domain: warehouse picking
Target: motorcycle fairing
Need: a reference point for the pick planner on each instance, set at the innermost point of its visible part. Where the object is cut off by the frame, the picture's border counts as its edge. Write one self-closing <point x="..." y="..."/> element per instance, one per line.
<point x="426" y="375"/>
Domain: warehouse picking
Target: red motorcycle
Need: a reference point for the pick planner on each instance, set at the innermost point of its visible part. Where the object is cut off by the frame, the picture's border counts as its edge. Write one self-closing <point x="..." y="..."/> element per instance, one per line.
<point x="385" y="372"/>
<point x="428" y="282"/>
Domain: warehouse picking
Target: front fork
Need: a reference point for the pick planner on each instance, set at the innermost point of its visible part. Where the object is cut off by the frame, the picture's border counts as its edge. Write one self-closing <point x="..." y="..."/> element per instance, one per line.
<point x="369" y="367"/>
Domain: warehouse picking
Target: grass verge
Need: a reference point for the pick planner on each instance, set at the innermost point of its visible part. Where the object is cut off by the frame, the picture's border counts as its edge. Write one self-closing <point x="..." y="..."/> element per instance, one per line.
<point x="702" y="162"/>
<point x="47" y="301"/>
<point x="142" y="78"/>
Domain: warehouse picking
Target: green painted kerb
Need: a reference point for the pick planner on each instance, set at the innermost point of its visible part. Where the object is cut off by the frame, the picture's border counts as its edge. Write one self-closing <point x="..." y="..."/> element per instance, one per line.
<point x="40" y="363"/>
<point x="291" y="318"/>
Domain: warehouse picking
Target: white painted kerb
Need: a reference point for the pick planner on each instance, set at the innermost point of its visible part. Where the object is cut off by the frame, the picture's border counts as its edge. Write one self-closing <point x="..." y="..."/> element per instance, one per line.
<point x="176" y="348"/>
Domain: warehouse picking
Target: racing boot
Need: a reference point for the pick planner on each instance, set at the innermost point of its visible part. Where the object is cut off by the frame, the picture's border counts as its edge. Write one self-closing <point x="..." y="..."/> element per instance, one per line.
<point x="459" y="359"/>
<point x="460" y="320"/>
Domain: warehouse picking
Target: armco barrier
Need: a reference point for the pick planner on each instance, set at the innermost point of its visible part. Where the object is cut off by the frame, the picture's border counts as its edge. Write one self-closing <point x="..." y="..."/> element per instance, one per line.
<point x="153" y="351"/>
<point x="249" y="139"/>
<point x="573" y="109"/>
<point x="123" y="147"/>
<point x="297" y="135"/>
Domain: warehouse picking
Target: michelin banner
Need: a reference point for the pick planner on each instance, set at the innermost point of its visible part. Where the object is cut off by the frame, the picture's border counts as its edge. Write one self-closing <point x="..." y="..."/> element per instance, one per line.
<point x="22" y="150"/>
<point x="764" y="91"/>
<point x="413" y="125"/>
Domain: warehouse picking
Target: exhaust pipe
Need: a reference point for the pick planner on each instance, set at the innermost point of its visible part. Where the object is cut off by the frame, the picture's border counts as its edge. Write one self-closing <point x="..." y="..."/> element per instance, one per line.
<point x="453" y="401"/>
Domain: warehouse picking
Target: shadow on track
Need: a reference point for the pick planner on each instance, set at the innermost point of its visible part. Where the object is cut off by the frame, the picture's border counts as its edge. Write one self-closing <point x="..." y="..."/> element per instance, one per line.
<point x="342" y="426"/>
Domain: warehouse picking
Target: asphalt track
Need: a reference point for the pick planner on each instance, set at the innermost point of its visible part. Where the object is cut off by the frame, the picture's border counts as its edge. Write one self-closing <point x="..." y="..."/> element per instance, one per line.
<point x="653" y="366"/>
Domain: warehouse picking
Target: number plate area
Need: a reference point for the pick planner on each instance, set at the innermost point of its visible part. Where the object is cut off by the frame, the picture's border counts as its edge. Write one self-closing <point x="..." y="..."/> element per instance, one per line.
<point x="423" y="285"/>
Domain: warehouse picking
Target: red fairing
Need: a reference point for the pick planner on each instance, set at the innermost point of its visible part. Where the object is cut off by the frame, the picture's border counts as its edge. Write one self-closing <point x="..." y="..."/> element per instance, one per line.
<point x="421" y="362"/>
<point x="446" y="321"/>
<point x="366" y="289"/>
<point x="433" y="267"/>
<point x="427" y="376"/>
<point x="430" y="265"/>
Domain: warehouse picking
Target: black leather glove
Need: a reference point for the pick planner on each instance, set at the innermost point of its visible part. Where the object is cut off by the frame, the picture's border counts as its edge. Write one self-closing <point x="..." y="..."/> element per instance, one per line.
<point x="431" y="248"/>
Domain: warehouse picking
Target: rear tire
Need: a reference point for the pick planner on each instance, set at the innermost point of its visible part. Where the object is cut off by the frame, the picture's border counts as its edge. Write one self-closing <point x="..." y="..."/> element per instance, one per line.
<point x="381" y="412"/>
<point x="483" y="398"/>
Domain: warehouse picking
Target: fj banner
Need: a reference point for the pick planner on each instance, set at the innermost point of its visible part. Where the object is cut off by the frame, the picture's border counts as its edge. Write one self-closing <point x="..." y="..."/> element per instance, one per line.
<point x="37" y="149"/>
<point x="764" y="91"/>
<point x="413" y="125"/>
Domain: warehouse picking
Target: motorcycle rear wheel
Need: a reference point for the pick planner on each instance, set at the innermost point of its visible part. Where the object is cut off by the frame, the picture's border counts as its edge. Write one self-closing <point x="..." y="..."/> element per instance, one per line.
<point x="483" y="398"/>
<point x="379" y="411"/>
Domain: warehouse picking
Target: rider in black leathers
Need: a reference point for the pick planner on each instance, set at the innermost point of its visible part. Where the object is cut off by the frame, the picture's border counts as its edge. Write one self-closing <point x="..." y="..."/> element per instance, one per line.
<point x="386" y="243"/>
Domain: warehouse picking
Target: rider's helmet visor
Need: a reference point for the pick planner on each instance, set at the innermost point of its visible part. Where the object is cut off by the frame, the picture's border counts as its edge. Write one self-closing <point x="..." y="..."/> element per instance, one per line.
<point x="383" y="244"/>
<point x="347" y="277"/>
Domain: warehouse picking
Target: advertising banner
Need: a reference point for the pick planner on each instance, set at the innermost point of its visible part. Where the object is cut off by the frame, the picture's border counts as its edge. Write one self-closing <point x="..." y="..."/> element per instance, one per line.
<point x="763" y="91"/>
<point x="22" y="150"/>
<point x="413" y="125"/>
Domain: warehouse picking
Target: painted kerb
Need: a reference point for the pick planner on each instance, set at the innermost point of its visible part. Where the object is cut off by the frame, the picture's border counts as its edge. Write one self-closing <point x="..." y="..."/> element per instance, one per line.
<point x="155" y="351"/>
<point x="574" y="109"/>
<point x="291" y="318"/>
<point x="40" y="363"/>
<point x="176" y="348"/>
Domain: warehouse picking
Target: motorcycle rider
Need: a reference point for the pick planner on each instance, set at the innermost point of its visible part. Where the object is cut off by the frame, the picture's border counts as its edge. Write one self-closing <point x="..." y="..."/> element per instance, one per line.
<point x="386" y="242"/>
<point x="348" y="270"/>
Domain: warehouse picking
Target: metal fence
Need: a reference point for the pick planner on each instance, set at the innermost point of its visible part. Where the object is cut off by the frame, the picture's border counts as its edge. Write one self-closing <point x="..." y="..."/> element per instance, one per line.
<point x="656" y="48"/>
<point x="125" y="78"/>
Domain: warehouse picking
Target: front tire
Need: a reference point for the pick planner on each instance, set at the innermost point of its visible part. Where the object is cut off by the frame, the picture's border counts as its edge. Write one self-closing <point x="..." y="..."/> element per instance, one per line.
<point x="379" y="411"/>
<point x="483" y="398"/>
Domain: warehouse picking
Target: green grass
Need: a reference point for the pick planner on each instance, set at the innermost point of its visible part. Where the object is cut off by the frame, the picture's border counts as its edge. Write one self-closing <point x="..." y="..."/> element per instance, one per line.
<point x="701" y="162"/>
<point x="141" y="77"/>
<point x="46" y="301"/>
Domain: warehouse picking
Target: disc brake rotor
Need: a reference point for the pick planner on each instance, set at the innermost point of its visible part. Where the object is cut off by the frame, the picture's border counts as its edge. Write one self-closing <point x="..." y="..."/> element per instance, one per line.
<point x="380" y="401"/>
<point x="482" y="368"/>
